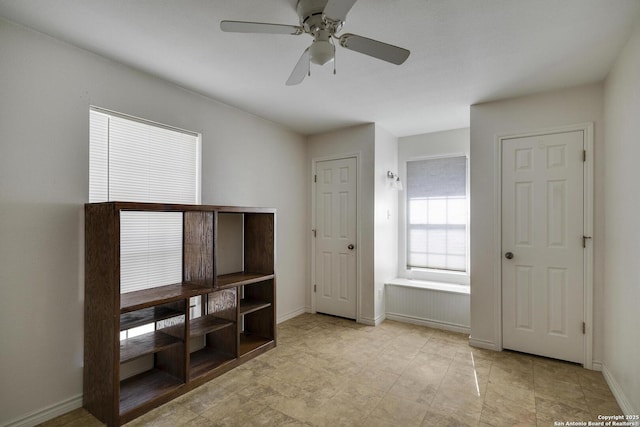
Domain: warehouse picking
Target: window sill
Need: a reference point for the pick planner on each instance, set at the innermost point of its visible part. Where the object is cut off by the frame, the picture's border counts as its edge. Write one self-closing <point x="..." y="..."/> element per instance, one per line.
<point x="437" y="276"/>
<point x="435" y="286"/>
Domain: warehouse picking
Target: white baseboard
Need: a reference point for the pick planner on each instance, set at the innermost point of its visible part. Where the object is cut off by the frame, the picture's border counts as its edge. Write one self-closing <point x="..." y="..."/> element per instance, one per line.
<point x="366" y="321"/>
<point x="48" y="413"/>
<point x="621" y="398"/>
<point x="370" y="321"/>
<point x="596" y="365"/>
<point x="291" y="315"/>
<point x="429" y="323"/>
<point x="487" y="345"/>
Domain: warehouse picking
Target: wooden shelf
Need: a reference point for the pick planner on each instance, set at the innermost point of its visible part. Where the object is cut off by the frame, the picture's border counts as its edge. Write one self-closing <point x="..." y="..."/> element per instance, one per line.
<point x="249" y="342"/>
<point x="205" y="324"/>
<point x="138" y="300"/>
<point x="241" y="278"/>
<point x="146" y="316"/>
<point x="142" y="388"/>
<point x="204" y="360"/>
<point x="176" y="331"/>
<point x="249" y="305"/>
<point x="152" y="342"/>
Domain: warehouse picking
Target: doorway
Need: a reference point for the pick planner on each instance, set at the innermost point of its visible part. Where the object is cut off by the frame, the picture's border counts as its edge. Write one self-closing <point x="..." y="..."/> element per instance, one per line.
<point x="335" y="236"/>
<point x="545" y="243"/>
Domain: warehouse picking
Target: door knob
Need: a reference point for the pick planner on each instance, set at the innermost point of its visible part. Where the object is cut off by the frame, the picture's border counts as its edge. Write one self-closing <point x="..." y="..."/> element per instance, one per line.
<point x="508" y="255"/>
<point x="350" y="247"/>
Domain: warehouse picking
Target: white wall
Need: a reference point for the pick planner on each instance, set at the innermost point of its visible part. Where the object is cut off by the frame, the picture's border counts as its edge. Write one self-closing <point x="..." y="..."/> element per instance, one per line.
<point x="46" y="88"/>
<point x="419" y="147"/>
<point x="519" y="115"/>
<point x="386" y="218"/>
<point x="621" y="267"/>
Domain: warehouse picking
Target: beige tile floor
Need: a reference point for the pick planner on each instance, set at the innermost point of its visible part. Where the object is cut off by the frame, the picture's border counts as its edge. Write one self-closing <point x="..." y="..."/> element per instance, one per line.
<point x="328" y="371"/>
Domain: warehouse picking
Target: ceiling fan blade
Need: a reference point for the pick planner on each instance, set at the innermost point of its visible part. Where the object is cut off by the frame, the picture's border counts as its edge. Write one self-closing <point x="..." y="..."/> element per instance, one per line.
<point x="337" y="10"/>
<point x="300" y="70"/>
<point x="259" y="27"/>
<point x="386" y="52"/>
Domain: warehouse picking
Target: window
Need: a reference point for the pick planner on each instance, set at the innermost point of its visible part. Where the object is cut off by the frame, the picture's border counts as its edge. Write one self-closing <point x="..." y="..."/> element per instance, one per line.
<point x="437" y="214"/>
<point x="135" y="160"/>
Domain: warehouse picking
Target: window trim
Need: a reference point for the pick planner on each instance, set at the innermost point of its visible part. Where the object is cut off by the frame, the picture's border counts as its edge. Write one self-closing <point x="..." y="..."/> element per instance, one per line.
<point x="445" y="276"/>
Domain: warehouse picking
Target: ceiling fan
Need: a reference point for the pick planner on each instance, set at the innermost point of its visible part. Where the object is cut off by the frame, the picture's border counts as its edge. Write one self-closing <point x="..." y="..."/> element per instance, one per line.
<point x="321" y="19"/>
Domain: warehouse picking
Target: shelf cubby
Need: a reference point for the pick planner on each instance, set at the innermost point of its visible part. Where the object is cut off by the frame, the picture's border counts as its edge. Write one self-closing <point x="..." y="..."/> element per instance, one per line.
<point x="215" y="333"/>
<point x="150" y="343"/>
<point x="145" y="387"/>
<point x="207" y="359"/>
<point x="250" y="342"/>
<point x="256" y="315"/>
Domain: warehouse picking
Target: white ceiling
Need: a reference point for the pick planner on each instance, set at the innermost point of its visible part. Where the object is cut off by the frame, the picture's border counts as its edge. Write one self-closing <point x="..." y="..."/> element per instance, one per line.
<point x="462" y="52"/>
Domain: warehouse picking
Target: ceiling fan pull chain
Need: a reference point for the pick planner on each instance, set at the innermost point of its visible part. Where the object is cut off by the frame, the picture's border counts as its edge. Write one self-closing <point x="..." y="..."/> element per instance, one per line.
<point x="334" y="57"/>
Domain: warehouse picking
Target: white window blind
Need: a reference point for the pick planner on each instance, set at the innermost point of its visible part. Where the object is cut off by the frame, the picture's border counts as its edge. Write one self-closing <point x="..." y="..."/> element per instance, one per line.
<point x="437" y="213"/>
<point x="137" y="161"/>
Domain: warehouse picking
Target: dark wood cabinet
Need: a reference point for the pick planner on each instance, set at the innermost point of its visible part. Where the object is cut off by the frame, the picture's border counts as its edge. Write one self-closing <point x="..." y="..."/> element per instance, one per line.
<point x="199" y="328"/>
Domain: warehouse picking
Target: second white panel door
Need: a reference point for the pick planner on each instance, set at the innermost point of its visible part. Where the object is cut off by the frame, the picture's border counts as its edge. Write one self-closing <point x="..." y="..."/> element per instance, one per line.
<point x="335" y="240"/>
<point x="542" y="243"/>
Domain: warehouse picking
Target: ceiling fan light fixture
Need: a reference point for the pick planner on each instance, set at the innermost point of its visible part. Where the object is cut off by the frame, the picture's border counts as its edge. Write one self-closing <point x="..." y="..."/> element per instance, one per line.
<point x="322" y="52"/>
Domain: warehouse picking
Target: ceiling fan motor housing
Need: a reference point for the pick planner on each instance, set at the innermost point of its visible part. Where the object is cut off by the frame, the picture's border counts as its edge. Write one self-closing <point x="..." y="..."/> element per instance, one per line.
<point x="311" y="16"/>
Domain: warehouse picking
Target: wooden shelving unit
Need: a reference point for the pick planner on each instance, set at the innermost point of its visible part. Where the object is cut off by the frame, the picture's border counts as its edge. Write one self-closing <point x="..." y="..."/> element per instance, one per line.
<point x="177" y="347"/>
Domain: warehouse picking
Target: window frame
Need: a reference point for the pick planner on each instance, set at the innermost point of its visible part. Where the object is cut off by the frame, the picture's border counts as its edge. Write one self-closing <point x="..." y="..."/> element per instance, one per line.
<point x="431" y="274"/>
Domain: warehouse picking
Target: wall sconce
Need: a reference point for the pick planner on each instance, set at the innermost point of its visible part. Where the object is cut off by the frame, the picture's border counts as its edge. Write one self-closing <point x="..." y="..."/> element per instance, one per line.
<point x="394" y="181"/>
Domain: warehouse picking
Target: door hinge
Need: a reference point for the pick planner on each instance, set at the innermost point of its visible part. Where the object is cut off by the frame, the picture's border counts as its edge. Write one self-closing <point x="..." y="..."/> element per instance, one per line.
<point x="315" y="178"/>
<point x="314" y="232"/>
<point x="314" y="288"/>
<point x="584" y="328"/>
<point x="584" y="155"/>
<point x="584" y="241"/>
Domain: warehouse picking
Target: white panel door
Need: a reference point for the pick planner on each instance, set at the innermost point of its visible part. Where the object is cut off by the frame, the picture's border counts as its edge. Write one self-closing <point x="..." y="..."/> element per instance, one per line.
<point x="335" y="250"/>
<point x="542" y="245"/>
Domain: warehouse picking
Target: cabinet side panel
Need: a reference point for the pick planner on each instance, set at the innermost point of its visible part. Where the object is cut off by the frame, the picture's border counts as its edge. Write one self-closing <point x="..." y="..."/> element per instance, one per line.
<point x="101" y="312"/>
<point x="259" y="242"/>
<point x="198" y="267"/>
